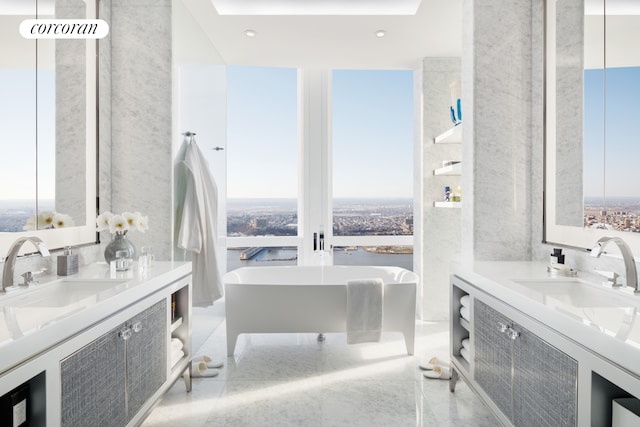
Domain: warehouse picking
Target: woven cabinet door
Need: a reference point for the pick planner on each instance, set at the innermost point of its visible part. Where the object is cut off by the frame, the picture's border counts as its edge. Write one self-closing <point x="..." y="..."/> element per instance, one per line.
<point x="93" y="384"/>
<point x="146" y="356"/>
<point x="493" y="356"/>
<point x="545" y="383"/>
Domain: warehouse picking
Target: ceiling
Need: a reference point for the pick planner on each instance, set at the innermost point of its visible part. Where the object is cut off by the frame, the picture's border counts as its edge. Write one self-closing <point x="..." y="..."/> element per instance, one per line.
<point x="338" y="37"/>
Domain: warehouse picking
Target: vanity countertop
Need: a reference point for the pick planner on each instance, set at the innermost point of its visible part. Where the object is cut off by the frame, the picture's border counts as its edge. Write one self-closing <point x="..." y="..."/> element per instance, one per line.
<point x="37" y="318"/>
<point x="601" y="319"/>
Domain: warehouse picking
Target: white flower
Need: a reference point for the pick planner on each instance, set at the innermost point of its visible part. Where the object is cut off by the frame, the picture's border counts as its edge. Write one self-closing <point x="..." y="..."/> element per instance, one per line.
<point x="143" y="223"/>
<point x="118" y="224"/>
<point x="45" y="219"/>
<point x="103" y="221"/>
<point x="62" y="220"/>
<point x="132" y="218"/>
<point x="31" y="223"/>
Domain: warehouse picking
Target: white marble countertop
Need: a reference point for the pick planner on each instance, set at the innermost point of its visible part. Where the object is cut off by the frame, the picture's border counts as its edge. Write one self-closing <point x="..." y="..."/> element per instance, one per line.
<point x="601" y="319"/>
<point x="34" y="319"/>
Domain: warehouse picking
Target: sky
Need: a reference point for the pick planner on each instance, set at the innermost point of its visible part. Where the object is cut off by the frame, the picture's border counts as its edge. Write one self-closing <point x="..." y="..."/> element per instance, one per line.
<point x="372" y="133"/>
<point x="18" y="133"/>
<point x="620" y="155"/>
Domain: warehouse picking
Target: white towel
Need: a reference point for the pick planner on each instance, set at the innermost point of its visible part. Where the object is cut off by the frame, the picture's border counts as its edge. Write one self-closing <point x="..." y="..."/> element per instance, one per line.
<point x="364" y="310"/>
<point x="175" y="357"/>
<point x="465" y="301"/>
<point x="465" y="343"/>
<point x="176" y="345"/>
<point x="464" y="312"/>
<point x="464" y="353"/>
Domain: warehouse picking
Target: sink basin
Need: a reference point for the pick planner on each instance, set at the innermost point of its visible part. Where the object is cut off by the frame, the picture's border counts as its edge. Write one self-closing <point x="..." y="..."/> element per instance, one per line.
<point x="609" y="311"/>
<point x="62" y="293"/>
<point x="27" y="310"/>
<point x="578" y="293"/>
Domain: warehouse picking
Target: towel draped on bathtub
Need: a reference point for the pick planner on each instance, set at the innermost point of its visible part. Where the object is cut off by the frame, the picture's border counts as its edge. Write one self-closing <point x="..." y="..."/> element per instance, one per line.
<point x="364" y="310"/>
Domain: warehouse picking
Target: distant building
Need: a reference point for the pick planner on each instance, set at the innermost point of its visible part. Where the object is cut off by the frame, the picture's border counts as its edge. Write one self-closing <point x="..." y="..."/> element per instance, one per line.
<point x="259" y="222"/>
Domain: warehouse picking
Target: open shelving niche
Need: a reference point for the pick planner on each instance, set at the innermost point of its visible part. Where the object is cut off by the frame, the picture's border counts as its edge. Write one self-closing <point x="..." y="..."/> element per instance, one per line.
<point x="450" y="136"/>
<point x="179" y="315"/>
<point x="460" y="327"/>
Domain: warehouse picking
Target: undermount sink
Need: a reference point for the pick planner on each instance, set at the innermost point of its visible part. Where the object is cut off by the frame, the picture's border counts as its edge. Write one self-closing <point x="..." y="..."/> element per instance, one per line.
<point x="26" y="310"/>
<point x="578" y="293"/>
<point x="609" y="311"/>
<point x="61" y="293"/>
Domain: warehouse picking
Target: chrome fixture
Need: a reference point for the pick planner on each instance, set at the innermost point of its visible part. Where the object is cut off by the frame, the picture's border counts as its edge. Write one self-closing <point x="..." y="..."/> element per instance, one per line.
<point x="627" y="256"/>
<point x="10" y="260"/>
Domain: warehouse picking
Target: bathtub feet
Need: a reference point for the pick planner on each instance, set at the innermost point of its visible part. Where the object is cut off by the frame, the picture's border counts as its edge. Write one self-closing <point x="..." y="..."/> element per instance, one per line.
<point x="321" y="338"/>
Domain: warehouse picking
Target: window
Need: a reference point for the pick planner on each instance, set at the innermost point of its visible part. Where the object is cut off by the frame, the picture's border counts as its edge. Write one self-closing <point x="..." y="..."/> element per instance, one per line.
<point x="372" y="146"/>
<point x="354" y="179"/>
<point x="262" y="134"/>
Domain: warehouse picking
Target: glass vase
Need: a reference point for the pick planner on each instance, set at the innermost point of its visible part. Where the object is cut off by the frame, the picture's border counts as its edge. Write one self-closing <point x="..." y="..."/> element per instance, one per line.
<point x="119" y="242"/>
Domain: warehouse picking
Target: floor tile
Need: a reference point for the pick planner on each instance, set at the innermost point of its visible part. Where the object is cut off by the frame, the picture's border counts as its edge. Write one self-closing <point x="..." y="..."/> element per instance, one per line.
<point x="294" y="380"/>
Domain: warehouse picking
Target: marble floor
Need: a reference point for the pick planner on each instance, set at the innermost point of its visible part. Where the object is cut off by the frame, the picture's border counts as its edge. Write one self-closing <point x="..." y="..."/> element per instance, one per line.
<point x="293" y="380"/>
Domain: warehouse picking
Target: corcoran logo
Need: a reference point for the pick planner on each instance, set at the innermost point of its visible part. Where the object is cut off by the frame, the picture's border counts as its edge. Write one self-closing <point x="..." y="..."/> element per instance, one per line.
<point x="64" y="28"/>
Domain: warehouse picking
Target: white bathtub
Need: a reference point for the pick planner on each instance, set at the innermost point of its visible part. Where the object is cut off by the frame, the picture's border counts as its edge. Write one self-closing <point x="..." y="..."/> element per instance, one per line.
<point x="297" y="299"/>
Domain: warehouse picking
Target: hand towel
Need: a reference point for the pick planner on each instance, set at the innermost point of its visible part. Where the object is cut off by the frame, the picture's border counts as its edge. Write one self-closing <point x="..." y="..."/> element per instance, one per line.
<point x="464" y="312"/>
<point x="176" y="345"/>
<point x="364" y="310"/>
<point x="465" y="343"/>
<point x="465" y="301"/>
<point x="464" y="353"/>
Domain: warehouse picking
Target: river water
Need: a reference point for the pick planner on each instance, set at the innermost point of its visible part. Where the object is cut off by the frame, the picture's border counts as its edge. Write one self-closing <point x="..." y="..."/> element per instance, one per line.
<point x="277" y="256"/>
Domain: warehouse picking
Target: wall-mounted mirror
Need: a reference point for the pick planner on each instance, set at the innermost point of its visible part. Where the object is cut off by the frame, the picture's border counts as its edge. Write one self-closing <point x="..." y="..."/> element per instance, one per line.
<point x="47" y="127"/>
<point x="593" y="84"/>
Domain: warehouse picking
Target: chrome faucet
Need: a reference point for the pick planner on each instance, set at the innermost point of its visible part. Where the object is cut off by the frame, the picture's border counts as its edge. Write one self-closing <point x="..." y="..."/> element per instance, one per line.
<point x="627" y="256"/>
<point x="10" y="260"/>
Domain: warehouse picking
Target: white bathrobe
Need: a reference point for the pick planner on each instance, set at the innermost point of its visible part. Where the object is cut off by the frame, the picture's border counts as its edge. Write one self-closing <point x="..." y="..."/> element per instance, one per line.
<point x="197" y="225"/>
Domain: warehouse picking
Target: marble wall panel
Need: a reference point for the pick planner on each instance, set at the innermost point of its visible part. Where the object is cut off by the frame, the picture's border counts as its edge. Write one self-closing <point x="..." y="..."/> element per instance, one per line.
<point x="141" y="118"/>
<point x="441" y="228"/>
<point x="497" y="69"/>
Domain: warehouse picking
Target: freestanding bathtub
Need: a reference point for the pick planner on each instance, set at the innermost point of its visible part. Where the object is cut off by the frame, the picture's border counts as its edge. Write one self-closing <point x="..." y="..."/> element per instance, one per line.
<point x="312" y="299"/>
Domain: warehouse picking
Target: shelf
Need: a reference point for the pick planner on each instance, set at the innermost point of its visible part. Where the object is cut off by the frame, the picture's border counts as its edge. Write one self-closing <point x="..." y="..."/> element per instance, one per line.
<point x="447" y="204"/>
<point x="175" y="325"/>
<point x="452" y="136"/>
<point x="451" y="170"/>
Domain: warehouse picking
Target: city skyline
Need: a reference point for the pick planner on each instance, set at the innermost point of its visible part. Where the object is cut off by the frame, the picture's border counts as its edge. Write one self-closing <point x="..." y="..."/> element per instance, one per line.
<point x="354" y="216"/>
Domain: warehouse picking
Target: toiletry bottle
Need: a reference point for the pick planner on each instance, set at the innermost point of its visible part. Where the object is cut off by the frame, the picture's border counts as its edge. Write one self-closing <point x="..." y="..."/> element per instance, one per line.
<point x="67" y="263"/>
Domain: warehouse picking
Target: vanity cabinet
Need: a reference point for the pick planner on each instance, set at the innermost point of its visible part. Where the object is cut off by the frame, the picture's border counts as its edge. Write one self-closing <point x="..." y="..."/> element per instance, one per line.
<point x="523" y="378"/>
<point x="530" y="381"/>
<point x="108" y="360"/>
<point x="108" y="381"/>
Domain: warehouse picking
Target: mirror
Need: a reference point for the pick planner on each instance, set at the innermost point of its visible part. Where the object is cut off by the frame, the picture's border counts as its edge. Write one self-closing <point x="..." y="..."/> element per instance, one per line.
<point x="592" y="87"/>
<point x="48" y="128"/>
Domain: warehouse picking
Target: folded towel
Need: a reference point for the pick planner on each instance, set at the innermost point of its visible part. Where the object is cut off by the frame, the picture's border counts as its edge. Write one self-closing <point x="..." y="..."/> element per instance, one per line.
<point x="175" y="357"/>
<point x="465" y="343"/>
<point x="364" y="310"/>
<point x="464" y="353"/>
<point x="176" y="344"/>
<point x="464" y="312"/>
<point x="465" y="301"/>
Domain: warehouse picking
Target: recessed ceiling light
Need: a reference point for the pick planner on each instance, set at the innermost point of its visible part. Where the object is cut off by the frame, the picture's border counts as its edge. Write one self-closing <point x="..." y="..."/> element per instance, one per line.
<point x="381" y="33"/>
<point x="250" y="33"/>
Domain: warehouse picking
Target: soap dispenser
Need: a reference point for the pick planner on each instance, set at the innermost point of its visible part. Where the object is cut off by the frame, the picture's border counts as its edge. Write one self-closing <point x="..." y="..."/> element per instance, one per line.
<point x="67" y="263"/>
